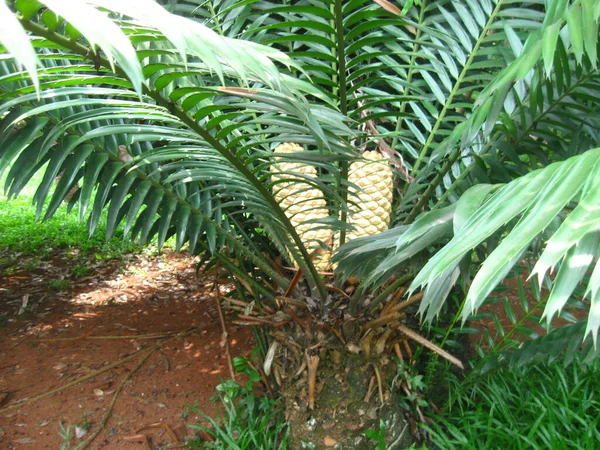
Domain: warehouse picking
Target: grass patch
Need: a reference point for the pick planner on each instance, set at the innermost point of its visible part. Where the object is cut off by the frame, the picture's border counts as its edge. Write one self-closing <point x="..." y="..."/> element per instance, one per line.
<point x="534" y="407"/>
<point x="26" y="242"/>
<point x="248" y="423"/>
<point x="20" y="232"/>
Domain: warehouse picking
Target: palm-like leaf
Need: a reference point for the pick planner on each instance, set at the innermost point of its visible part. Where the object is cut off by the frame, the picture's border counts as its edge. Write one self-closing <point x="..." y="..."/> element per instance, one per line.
<point x="569" y="188"/>
<point x="172" y="152"/>
<point x="548" y="114"/>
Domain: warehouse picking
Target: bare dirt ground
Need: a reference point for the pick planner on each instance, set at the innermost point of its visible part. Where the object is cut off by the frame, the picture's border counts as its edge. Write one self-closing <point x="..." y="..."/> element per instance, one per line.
<point x="58" y="333"/>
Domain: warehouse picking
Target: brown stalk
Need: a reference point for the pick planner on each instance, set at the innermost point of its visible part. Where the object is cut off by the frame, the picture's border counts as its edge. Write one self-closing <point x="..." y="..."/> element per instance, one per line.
<point x="297" y="320"/>
<point x="379" y="382"/>
<point x="243" y="282"/>
<point x="331" y="287"/>
<point x="430" y="345"/>
<point x="380" y="344"/>
<point x="408" y="350"/>
<point x="398" y="351"/>
<point x="224" y="335"/>
<point x="263" y="377"/>
<point x="400" y="306"/>
<point x="365" y="343"/>
<point x="240" y="309"/>
<point x="291" y="301"/>
<point x="293" y="283"/>
<point x="259" y="320"/>
<point x="233" y="301"/>
<point x="385" y="320"/>
<point x="312" y="362"/>
<point x="397" y="295"/>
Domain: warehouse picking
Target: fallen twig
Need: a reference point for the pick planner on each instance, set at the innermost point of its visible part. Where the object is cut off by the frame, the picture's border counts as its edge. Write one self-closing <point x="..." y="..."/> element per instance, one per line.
<point x="430" y="345"/>
<point x="79" y="339"/>
<point x="224" y="336"/>
<point x="85" y="444"/>
<point x="115" y="337"/>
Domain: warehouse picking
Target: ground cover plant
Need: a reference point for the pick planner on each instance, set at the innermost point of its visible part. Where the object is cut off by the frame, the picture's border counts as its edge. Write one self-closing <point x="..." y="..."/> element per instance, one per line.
<point x="541" y="406"/>
<point x="257" y="133"/>
<point x="26" y="242"/>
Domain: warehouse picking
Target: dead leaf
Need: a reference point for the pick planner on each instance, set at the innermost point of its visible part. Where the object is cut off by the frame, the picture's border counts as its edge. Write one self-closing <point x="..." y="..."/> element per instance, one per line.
<point x="80" y="432"/>
<point x="124" y="154"/>
<point x="238" y="91"/>
<point x="388" y="6"/>
<point x="24" y="441"/>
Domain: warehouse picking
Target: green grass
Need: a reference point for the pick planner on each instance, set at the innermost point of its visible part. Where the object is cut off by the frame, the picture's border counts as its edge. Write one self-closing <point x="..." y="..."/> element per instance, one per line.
<point x="535" y="407"/>
<point x="25" y="242"/>
<point x="248" y="423"/>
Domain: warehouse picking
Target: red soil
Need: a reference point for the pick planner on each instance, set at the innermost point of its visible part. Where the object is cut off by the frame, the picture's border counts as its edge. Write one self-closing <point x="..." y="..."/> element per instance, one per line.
<point x="58" y="338"/>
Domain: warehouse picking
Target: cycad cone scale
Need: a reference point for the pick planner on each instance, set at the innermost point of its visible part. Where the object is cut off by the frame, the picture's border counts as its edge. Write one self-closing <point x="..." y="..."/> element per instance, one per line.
<point x="370" y="198"/>
<point x="302" y="202"/>
<point x="370" y="202"/>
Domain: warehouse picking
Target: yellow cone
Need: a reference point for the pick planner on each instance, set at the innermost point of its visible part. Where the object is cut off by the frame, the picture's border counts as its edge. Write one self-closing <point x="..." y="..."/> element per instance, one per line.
<point x="370" y="203"/>
<point x="302" y="202"/>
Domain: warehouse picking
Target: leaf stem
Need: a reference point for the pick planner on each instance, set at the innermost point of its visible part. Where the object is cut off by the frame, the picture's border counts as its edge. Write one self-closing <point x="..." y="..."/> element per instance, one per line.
<point x="343" y="104"/>
<point x="456" y="87"/>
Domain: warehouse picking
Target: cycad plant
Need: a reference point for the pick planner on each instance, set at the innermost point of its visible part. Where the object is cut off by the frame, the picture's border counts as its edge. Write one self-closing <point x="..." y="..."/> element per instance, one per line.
<point x="171" y="116"/>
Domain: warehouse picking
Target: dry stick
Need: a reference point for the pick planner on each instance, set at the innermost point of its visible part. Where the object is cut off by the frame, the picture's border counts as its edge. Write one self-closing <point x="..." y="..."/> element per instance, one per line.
<point x="85" y="444"/>
<point x="224" y="335"/>
<point x="400" y="306"/>
<point x="79" y="339"/>
<point x="293" y="283"/>
<point x="379" y="382"/>
<point x="370" y="389"/>
<point x="430" y="345"/>
<point x="312" y="362"/>
<point x="114" y="337"/>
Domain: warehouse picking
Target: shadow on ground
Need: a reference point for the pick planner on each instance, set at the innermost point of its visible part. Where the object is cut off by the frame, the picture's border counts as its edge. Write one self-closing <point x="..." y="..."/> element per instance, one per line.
<point x="56" y="329"/>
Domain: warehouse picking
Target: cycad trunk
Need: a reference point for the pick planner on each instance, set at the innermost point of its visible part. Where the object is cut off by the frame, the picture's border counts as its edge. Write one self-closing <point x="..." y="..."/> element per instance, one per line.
<point x="334" y="370"/>
<point x="336" y="374"/>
